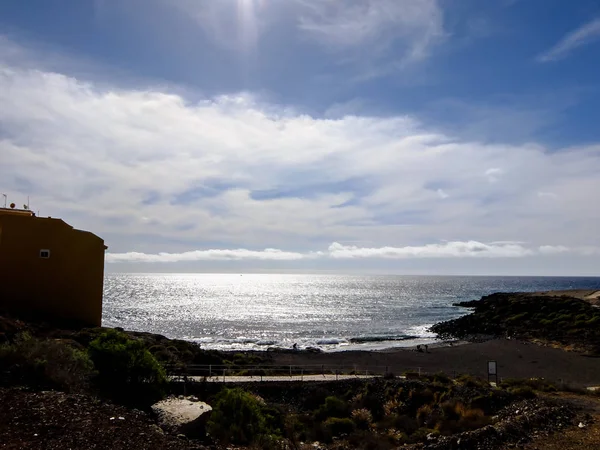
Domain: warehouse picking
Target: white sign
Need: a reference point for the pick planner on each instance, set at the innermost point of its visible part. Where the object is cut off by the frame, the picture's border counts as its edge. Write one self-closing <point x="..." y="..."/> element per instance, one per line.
<point x="491" y="367"/>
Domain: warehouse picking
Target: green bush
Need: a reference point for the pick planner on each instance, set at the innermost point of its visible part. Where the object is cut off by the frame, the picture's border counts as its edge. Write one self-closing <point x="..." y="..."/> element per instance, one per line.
<point x="338" y="426"/>
<point x="315" y="398"/>
<point x="126" y="369"/>
<point x="522" y="392"/>
<point x="471" y="381"/>
<point x="47" y="364"/>
<point x="442" y="378"/>
<point x="333" y="407"/>
<point x="238" y="417"/>
<point x="537" y="384"/>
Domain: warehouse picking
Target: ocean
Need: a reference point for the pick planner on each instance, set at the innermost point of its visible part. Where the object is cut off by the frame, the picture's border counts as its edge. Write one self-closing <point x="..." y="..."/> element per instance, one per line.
<point x="331" y="312"/>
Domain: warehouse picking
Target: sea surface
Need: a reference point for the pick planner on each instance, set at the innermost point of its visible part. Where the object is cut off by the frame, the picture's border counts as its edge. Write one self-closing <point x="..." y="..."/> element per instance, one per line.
<point x="332" y="312"/>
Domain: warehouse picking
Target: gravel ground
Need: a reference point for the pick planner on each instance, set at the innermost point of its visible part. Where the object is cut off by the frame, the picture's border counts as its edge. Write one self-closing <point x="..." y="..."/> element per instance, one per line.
<point x="55" y="420"/>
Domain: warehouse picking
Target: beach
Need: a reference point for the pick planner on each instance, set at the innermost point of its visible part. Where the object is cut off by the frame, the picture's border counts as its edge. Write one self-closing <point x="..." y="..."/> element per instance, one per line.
<point x="515" y="359"/>
<point x="568" y="358"/>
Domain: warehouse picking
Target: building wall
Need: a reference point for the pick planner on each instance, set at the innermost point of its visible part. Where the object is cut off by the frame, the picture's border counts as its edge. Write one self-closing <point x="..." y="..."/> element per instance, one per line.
<point x="67" y="285"/>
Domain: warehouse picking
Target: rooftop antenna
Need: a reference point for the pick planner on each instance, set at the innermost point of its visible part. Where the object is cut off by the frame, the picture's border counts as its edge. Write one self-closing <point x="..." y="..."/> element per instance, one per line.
<point x="5" y="198"/>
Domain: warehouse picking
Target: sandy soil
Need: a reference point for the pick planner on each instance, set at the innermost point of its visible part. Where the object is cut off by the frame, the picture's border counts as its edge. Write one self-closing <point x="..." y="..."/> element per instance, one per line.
<point x="515" y="359"/>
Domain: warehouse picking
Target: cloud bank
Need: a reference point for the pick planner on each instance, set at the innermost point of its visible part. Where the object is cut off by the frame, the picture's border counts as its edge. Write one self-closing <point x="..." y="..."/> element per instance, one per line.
<point x="152" y="171"/>
<point x="469" y="249"/>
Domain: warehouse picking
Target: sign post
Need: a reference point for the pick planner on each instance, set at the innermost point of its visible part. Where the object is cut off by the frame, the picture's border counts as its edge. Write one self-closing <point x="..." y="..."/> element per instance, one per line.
<point x="492" y="370"/>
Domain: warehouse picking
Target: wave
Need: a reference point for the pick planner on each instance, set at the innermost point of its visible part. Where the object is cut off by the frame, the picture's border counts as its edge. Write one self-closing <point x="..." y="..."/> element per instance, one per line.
<point x="366" y="339"/>
<point x="331" y="341"/>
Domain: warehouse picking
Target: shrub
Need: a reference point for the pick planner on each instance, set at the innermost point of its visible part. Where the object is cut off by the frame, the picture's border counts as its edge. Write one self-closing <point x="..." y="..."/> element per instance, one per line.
<point x="127" y="371"/>
<point x="315" y="398"/>
<point x="393" y="407"/>
<point x="471" y="419"/>
<point x="442" y="378"/>
<point x="418" y="397"/>
<point x="404" y="423"/>
<point x="423" y="414"/>
<point x="522" y="392"/>
<point x="294" y="430"/>
<point x="453" y="417"/>
<point x="472" y="381"/>
<point x="362" y="418"/>
<point x="538" y="384"/>
<point x="237" y="417"/>
<point x="47" y="364"/>
<point x="333" y="407"/>
<point x="337" y="426"/>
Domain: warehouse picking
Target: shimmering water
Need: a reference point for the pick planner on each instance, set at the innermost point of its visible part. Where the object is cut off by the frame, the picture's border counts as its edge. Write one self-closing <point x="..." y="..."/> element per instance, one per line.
<point x="334" y="312"/>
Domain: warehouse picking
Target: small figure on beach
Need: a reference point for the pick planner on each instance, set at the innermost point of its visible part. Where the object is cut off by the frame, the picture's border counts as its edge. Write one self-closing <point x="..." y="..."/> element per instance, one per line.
<point x="419" y="348"/>
<point x="426" y="348"/>
<point x="295" y="346"/>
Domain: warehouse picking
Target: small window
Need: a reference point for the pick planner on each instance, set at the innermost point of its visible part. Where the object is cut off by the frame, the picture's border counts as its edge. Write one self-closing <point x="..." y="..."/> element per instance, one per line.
<point x="44" y="254"/>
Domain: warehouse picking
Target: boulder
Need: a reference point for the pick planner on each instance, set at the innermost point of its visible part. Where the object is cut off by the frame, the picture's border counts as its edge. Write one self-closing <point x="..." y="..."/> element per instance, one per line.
<point x="183" y="415"/>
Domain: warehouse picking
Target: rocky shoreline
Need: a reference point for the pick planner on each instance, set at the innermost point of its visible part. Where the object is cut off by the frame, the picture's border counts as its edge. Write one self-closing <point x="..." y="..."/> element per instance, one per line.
<point x="564" y="320"/>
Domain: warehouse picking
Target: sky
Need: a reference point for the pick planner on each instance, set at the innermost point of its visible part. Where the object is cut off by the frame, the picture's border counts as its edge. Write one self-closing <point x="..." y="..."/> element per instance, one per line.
<point x="377" y="136"/>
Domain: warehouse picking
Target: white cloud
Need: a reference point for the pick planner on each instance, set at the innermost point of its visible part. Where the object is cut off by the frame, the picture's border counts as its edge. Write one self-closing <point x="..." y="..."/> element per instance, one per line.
<point x="493" y="174"/>
<point x="583" y="35"/>
<point x="370" y="28"/>
<point x="151" y="172"/>
<point x="271" y="254"/>
<point x="469" y="249"/>
<point x="452" y="250"/>
<point x="553" y="249"/>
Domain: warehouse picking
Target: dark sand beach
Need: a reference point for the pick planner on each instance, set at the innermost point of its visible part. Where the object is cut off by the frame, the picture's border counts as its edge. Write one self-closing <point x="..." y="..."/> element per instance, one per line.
<point x="515" y="359"/>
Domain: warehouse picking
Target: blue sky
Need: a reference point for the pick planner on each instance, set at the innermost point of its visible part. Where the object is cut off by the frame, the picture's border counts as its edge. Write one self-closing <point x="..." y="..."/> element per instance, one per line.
<point x="397" y="136"/>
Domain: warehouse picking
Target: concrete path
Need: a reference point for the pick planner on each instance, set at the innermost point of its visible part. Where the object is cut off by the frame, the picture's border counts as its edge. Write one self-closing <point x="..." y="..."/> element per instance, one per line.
<point x="278" y="378"/>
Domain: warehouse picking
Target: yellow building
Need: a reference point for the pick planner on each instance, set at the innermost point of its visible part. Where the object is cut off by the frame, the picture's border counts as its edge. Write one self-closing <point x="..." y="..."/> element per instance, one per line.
<point x="50" y="270"/>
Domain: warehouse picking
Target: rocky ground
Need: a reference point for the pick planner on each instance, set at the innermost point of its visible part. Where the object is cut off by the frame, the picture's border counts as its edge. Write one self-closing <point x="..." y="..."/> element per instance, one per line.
<point x="519" y="424"/>
<point x="56" y="421"/>
<point x="585" y="435"/>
